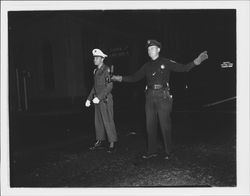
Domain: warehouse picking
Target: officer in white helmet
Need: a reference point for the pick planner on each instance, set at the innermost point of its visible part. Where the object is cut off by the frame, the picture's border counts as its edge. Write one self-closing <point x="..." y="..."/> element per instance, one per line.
<point x="101" y="96"/>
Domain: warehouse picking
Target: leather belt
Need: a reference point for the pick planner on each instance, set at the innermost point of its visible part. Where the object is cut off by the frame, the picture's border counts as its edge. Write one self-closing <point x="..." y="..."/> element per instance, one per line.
<point x="156" y="86"/>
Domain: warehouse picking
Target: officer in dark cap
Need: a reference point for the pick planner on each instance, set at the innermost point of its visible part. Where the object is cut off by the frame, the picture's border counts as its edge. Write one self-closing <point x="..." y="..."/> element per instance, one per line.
<point x="101" y="96"/>
<point x="158" y="98"/>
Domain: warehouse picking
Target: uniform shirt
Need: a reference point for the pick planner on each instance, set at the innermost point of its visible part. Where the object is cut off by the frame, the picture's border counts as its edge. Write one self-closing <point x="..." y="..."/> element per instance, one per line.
<point x="158" y="71"/>
<point x="102" y="85"/>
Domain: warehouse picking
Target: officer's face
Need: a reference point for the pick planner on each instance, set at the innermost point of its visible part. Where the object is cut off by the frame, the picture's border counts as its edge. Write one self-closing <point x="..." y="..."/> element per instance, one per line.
<point x="153" y="51"/>
<point x="98" y="60"/>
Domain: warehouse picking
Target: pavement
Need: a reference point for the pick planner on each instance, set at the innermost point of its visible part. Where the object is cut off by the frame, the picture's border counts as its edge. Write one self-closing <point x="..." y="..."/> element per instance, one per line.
<point x="204" y="153"/>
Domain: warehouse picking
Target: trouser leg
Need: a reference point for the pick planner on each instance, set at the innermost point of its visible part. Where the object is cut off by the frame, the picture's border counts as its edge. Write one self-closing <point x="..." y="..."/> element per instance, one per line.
<point x="99" y="126"/>
<point x="108" y="119"/>
<point x="151" y="123"/>
<point x="164" y="112"/>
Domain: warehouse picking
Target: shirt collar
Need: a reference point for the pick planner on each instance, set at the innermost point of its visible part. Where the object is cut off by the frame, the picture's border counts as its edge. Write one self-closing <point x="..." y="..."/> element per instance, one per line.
<point x="155" y="59"/>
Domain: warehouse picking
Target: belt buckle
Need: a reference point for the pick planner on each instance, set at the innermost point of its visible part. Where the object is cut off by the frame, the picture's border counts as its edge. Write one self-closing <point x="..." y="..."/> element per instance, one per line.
<point x="157" y="86"/>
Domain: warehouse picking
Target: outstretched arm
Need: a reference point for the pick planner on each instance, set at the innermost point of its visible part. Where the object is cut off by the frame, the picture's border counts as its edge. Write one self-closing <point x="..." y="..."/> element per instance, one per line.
<point x="178" y="67"/>
<point x="132" y="78"/>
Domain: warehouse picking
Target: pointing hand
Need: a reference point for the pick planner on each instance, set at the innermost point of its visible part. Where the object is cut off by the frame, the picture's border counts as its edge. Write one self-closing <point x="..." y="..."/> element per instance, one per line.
<point x="202" y="57"/>
<point x="116" y="78"/>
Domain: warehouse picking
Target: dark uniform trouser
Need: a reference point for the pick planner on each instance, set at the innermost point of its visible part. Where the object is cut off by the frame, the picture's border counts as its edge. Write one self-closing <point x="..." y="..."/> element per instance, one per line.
<point x="104" y="120"/>
<point x="158" y="106"/>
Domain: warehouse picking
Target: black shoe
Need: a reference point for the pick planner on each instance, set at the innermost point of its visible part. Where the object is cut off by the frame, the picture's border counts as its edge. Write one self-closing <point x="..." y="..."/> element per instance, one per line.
<point x="98" y="145"/>
<point x="149" y="156"/>
<point x="111" y="149"/>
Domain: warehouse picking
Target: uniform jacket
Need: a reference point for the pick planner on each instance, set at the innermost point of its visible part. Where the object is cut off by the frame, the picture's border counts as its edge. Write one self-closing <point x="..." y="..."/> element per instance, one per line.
<point x="158" y="71"/>
<point x="102" y="83"/>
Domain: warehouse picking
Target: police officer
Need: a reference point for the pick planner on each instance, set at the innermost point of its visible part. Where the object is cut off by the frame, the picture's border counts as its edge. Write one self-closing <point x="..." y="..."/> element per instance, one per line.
<point x="101" y="96"/>
<point x="158" y="99"/>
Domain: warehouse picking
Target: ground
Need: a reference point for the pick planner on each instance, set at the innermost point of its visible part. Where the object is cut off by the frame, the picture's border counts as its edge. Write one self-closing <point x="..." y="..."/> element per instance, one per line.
<point x="204" y="156"/>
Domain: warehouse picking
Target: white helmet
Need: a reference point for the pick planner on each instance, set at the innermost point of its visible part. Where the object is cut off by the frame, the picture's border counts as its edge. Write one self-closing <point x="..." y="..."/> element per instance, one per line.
<point x="98" y="52"/>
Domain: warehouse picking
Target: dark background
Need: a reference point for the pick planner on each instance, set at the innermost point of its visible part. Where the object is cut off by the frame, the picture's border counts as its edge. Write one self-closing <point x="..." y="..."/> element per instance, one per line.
<point x="51" y="66"/>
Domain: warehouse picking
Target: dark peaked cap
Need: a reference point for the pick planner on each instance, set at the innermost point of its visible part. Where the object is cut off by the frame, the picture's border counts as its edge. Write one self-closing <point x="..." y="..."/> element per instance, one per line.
<point x="153" y="42"/>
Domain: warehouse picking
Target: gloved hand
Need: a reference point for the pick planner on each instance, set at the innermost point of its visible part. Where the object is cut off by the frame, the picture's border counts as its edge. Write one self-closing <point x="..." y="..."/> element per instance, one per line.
<point x="87" y="103"/>
<point x="116" y="78"/>
<point x="96" y="100"/>
<point x="202" y="57"/>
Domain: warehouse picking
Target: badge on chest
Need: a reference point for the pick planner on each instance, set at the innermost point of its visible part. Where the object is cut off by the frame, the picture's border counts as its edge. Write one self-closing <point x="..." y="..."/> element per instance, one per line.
<point x="160" y="70"/>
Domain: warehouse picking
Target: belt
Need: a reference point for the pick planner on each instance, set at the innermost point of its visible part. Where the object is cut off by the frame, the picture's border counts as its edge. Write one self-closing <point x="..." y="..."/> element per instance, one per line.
<point x="156" y="86"/>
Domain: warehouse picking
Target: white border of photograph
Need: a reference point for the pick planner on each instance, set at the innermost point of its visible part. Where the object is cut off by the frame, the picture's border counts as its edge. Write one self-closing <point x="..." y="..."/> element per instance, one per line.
<point x="242" y="8"/>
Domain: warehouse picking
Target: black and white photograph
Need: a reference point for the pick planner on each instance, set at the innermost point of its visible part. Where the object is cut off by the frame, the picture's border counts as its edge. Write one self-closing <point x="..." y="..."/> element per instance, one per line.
<point x="125" y="98"/>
